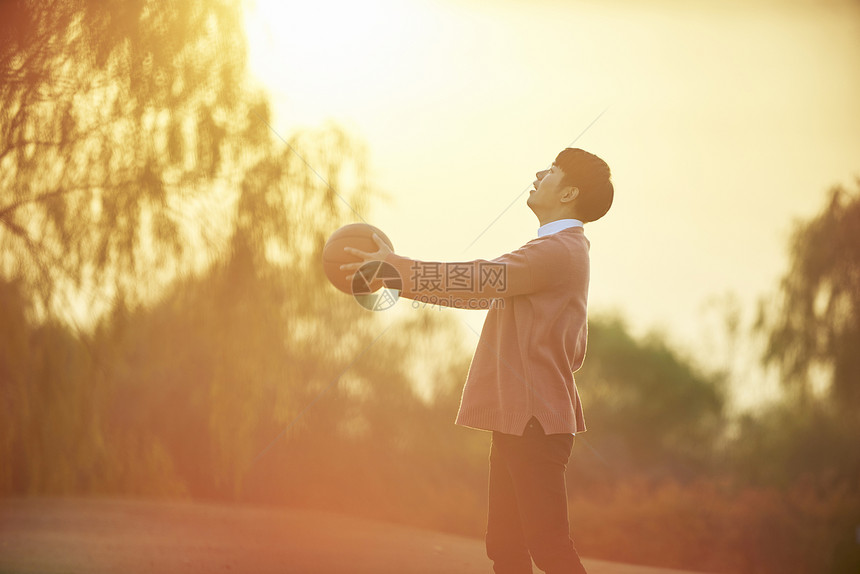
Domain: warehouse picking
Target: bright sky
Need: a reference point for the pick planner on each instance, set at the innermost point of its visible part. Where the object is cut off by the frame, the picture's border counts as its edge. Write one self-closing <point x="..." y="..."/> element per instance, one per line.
<point x="722" y="123"/>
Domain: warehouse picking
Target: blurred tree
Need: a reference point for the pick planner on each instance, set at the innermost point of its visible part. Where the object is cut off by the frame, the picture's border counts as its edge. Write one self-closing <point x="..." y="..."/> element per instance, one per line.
<point x="812" y="334"/>
<point x="131" y="163"/>
<point x="14" y="362"/>
<point x="122" y="124"/>
<point x="813" y="327"/>
<point x="648" y="409"/>
<point x="225" y="355"/>
<point x="782" y="443"/>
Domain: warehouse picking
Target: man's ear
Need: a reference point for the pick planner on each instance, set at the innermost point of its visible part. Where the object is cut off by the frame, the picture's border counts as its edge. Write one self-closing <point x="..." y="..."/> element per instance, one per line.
<point x="570" y="193"/>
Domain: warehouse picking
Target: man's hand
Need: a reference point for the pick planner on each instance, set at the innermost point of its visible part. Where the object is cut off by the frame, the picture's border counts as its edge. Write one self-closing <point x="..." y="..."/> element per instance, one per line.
<point x="366" y="256"/>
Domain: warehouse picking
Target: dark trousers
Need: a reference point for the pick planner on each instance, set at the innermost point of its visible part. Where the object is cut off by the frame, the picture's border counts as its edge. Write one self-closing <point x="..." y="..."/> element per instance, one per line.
<point x="527" y="515"/>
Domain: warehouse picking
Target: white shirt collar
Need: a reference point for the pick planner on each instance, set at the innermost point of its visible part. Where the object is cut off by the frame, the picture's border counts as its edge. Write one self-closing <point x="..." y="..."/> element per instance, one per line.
<point x="557" y="225"/>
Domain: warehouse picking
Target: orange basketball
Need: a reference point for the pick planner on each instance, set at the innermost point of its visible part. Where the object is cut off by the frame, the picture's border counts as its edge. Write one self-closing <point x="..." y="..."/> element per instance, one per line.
<point x="357" y="235"/>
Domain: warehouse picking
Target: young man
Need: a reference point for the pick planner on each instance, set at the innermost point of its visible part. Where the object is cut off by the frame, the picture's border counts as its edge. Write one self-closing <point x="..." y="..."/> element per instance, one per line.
<point x="520" y="384"/>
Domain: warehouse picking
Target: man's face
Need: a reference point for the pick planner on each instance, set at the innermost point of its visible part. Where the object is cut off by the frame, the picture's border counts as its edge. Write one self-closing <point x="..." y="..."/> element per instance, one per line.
<point x="547" y="189"/>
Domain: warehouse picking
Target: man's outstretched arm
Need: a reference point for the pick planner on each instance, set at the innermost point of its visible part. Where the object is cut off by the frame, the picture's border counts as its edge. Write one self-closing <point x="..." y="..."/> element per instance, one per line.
<point x="463" y="284"/>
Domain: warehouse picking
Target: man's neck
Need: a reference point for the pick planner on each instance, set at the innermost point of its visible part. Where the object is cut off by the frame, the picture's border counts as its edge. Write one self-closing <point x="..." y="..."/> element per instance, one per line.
<point x="558" y="225"/>
<point x="555" y="217"/>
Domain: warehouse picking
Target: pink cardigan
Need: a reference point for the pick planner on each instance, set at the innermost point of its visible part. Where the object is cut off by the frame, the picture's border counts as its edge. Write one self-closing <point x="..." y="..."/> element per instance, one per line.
<point x="534" y="335"/>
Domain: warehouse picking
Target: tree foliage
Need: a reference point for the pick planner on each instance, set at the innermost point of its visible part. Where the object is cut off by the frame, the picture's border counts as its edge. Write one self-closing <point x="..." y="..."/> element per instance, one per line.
<point x="813" y="326"/>
<point x="136" y="170"/>
<point x="118" y="119"/>
<point x="648" y="407"/>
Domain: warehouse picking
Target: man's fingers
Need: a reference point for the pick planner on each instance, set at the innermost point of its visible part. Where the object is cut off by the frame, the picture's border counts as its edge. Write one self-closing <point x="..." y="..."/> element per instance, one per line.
<point x="358" y="253"/>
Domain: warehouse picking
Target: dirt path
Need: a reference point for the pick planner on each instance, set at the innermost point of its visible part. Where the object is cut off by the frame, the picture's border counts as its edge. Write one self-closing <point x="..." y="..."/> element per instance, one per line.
<point x="110" y="536"/>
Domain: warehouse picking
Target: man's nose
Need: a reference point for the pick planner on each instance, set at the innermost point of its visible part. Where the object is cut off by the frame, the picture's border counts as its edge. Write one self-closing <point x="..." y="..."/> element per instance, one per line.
<point x="540" y="174"/>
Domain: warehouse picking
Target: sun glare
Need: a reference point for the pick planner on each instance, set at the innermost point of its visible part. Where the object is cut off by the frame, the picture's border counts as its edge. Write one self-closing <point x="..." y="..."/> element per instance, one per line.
<point x="325" y="56"/>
